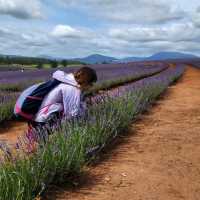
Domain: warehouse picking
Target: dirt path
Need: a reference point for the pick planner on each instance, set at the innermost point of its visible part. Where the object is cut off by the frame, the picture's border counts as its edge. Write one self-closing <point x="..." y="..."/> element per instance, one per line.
<point x="158" y="160"/>
<point x="11" y="131"/>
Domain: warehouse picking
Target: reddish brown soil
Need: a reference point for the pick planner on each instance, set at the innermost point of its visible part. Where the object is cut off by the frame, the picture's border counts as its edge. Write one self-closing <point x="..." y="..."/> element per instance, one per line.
<point x="10" y="131"/>
<point x="158" y="160"/>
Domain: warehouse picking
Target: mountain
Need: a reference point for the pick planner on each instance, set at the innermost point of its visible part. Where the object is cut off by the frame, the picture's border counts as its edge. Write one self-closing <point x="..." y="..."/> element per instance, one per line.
<point x="131" y="59"/>
<point x="96" y="58"/>
<point x="170" y="55"/>
<point x="160" y="56"/>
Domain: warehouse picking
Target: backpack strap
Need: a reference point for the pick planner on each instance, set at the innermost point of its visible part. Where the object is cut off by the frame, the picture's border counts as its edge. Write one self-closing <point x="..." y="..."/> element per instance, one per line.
<point x="23" y="114"/>
<point x="35" y="98"/>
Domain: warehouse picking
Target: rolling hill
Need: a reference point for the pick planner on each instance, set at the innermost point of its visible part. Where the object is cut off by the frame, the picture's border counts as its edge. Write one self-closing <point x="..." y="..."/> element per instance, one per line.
<point x="97" y="58"/>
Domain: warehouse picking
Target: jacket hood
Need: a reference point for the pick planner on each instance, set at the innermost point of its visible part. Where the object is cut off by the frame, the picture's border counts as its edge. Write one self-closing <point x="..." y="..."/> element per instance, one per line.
<point x="65" y="78"/>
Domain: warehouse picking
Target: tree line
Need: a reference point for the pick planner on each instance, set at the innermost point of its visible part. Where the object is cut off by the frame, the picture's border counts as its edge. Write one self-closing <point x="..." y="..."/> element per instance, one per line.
<point x="38" y="62"/>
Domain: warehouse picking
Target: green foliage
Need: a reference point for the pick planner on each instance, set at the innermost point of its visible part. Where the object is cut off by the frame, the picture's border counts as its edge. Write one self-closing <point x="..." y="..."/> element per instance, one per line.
<point x="39" y="65"/>
<point x="28" y="61"/>
<point x="22" y="60"/>
<point x="6" y="110"/>
<point x="54" y="64"/>
<point x="64" y="63"/>
<point x="17" y="87"/>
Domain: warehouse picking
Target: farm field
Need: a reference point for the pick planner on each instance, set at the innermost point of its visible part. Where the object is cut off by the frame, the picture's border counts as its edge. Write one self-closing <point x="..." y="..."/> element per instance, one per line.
<point x="12" y="83"/>
<point x="105" y="72"/>
<point x="157" y="159"/>
<point x="99" y="100"/>
<point x="122" y="100"/>
<point x="108" y="76"/>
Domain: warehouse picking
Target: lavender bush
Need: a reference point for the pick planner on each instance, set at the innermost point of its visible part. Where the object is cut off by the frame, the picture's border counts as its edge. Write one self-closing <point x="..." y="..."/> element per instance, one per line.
<point x="108" y="75"/>
<point x="25" y="176"/>
<point x="7" y="101"/>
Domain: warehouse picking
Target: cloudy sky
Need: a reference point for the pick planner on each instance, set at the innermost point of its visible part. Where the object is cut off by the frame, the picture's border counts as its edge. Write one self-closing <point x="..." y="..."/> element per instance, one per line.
<point x="77" y="28"/>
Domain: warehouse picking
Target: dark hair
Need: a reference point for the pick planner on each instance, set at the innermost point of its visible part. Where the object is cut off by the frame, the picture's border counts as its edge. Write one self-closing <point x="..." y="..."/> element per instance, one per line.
<point x="88" y="73"/>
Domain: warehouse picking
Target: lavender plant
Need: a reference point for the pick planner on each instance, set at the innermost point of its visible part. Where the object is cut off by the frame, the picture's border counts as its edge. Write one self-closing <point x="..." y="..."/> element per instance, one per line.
<point x="67" y="149"/>
<point x="122" y="75"/>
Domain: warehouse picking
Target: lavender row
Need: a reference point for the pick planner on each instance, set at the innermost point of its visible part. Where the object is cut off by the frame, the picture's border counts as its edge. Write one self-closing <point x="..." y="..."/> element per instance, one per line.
<point x="7" y="102"/>
<point x="104" y="72"/>
<point x="163" y="79"/>
<point x="22" y="176"/>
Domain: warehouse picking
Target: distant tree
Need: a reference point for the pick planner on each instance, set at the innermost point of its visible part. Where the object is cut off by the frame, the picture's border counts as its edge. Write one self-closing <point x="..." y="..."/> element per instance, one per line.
<point x="54" y="64"/>
<point x="9" y="60"/>
<point x="39" y="65"/>
<point x="64" y="63"/>
<point x="23" y="60"/>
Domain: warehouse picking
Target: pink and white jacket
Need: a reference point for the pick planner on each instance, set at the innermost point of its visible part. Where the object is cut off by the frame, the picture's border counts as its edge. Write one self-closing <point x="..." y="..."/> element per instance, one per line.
<point x="66" y="98"/>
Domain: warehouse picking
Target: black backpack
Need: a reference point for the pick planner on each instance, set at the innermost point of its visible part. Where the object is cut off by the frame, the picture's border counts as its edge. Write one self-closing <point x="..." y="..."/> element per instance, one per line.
<point x="30" y="100"/>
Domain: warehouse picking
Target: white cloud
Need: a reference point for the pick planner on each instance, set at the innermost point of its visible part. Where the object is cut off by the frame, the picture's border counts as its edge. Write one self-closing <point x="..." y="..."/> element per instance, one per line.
<point x="4" y="32"/>
<point x="65" y="31"/>
<point x="21" y="9"/>
<point x="123" y="28"/>
<point x="119" y="42"/>
<point x="129" y="11"/>
<point x="195" y="17"/>
<point x="174" y="32"/>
